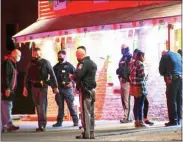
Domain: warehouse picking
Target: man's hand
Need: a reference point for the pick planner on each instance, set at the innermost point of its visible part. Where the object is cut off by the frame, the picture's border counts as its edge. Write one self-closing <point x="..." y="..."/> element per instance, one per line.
<point x="55" y="90"/>
<point x="25" y="94"/>
<point x="7" y="93"/>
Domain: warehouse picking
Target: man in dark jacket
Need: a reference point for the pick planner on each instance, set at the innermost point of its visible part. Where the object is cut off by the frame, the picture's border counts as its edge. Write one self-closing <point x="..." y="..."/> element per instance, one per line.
<point x="171" y="67"/>
<point x="37" y="73"/>
<point x="86" y="84"/>
<point x="8" y="85"/>
<point x="123" y="73"/>
<point x="63" y="70"/>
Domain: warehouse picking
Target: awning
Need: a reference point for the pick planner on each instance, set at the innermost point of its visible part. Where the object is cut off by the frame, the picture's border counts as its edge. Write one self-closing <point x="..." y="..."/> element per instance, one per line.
<point x="124" y="15"/>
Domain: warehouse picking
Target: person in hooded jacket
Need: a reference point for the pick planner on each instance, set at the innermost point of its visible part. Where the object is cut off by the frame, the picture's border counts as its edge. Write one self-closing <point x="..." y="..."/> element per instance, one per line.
<point x="123" y="75"/>
<point x="8" y="86"/>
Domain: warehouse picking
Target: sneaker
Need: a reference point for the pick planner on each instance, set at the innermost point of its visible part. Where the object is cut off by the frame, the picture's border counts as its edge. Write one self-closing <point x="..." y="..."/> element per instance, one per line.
<point x="149" y="122"/>
<point x="170" y="124"/>
<point x="40" y="129"/>
<point x="125" y="121"/>
<point x="58" y="124"/>
<point x="12" y="128"/>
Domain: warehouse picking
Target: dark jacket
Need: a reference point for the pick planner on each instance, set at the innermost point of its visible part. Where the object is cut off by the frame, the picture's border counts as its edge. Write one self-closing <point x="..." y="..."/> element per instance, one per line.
<point x="85" y="73"/>
<point x="62" y="71"/>
<point x="170" y="64"/>
<point x="39" y="71"/>
<point x="8" y="78"/>
<point x="123" y="69"/>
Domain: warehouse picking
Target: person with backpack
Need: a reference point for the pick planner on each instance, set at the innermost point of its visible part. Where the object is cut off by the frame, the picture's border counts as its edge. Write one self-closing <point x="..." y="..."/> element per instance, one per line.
<point x="123" y="75"/>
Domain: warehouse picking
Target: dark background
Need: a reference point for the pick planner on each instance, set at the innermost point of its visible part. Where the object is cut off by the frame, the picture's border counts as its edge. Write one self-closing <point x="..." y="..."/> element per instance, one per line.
<point x="17" y="15"/>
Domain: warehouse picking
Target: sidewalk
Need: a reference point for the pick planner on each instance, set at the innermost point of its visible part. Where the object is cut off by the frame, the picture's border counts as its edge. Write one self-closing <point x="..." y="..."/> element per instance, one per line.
<point x="101" y="125"/>
<point x="105" y="130"/>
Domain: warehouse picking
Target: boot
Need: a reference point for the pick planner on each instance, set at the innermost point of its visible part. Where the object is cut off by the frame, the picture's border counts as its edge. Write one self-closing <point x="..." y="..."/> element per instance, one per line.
<point x="141" y="124"/>
<point x="136" y="123"/>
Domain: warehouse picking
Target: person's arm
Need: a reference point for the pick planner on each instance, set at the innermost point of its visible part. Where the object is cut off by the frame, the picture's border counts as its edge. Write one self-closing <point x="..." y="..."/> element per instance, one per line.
<point x="71" y="73"/>
<point x="53" y="79"/>
<point x="8" y="71"/>
<point x="81" y="72"/>
<point x="26" y="76"/>
<point x="141" y="72"/>
<point x="26" y="80"/>
<point x="162" y="66"/>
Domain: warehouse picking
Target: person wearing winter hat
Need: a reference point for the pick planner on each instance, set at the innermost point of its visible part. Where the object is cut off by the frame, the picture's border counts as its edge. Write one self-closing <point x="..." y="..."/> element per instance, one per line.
<point x="123" y="74"/>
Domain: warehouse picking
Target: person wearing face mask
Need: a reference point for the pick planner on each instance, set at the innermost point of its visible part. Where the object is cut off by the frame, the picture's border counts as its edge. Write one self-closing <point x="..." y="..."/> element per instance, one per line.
<point x="123" y="73"/>
<point x="37" y="74"/>
<point x="63" y="70"/>
<point x="8" y="85"/>
<point x="85" y="77"/>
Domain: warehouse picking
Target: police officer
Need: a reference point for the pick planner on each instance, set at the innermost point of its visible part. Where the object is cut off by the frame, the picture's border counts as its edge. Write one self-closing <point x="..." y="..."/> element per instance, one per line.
<point x="63" y="70"/>
<point x="171" y="68"/>
<point x="37" y="73"/>
<point x="86" y="84"/>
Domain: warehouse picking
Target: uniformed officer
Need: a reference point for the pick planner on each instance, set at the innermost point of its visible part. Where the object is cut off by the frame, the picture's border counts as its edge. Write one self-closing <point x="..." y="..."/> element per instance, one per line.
<point x="36" y="76"/>
<point x="86" y="84"/>
<point x="63" y="70"/>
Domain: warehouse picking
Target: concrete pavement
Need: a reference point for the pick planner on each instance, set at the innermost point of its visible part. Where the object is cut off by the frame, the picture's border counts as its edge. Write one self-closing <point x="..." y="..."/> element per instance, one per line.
<point x="105" y="131"/>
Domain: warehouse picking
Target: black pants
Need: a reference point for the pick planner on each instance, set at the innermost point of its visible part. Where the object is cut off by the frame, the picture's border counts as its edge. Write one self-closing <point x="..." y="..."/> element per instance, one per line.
<point x="174" y="100"/>
<point x="39" y="96"/>
<point x="67" y="95"/>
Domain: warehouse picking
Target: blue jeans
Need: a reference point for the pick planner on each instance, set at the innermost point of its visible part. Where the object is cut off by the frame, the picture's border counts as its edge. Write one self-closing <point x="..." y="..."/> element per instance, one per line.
<point x="138" y="107"/>
<point x="6" y="113"/>
<point x="67" y="95"/>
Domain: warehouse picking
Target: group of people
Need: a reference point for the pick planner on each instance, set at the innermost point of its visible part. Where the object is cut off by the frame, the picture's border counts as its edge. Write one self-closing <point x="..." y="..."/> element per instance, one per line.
<point x="62" y="78"/>
<point x="133" y="76"/>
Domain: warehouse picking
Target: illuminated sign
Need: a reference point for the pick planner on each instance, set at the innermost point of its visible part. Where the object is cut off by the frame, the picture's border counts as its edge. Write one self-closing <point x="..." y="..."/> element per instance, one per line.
<point x="59" y="4"/>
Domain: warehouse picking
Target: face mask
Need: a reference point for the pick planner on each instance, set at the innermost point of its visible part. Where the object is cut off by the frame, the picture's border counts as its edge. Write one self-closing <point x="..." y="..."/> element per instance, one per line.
<point x="18" y="59"/>
<point x="60" y="60"/>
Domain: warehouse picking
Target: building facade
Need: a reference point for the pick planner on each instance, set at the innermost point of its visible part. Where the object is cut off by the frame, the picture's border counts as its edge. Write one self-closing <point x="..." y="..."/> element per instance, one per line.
<point x="102" y="26"/>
